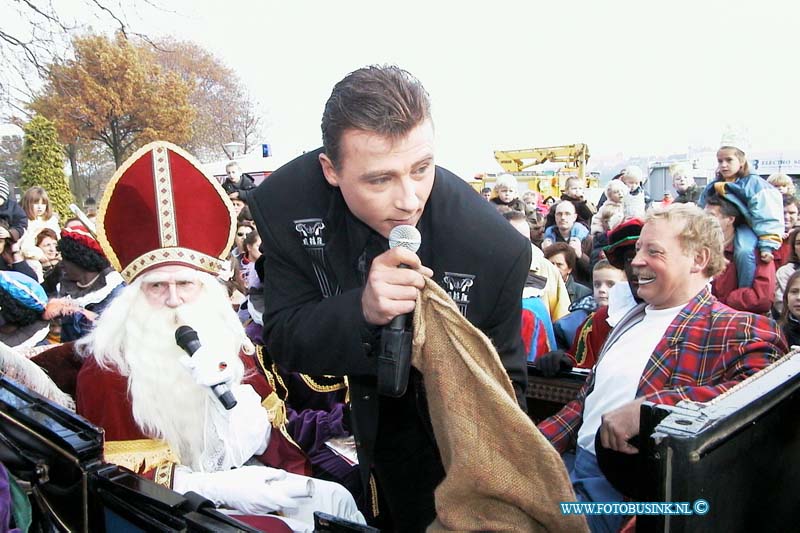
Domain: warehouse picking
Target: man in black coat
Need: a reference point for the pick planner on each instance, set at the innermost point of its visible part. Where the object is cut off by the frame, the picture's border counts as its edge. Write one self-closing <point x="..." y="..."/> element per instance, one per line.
<point x="331" y="283"/>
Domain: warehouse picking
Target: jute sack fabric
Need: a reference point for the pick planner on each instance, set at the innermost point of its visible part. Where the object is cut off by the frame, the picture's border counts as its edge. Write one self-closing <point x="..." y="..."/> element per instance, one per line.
<point x="501" y="473"/>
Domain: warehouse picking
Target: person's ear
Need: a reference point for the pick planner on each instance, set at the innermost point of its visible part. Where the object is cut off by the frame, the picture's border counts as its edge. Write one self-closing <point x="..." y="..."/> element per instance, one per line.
<point x="701" y="259"/>
<point x="329" y="170"/>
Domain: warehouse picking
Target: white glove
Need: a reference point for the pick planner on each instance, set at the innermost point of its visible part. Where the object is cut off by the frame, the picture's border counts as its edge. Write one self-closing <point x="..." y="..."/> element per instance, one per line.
<point x="245" y="429"/>
<point x="207" y="368"/>
<point x="248" y="489"/>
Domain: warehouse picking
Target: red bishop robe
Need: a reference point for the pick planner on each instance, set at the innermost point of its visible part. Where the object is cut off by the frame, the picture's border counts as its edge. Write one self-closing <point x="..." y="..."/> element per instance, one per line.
<point x="101" y="396"/>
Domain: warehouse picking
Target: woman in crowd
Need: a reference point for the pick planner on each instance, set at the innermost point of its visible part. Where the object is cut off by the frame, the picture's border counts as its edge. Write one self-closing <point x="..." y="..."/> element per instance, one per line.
<point x="783" y="274"/>
<point x="238" y="241"/>
<point x="790" y="317"/>
<point x="50" y="259"/>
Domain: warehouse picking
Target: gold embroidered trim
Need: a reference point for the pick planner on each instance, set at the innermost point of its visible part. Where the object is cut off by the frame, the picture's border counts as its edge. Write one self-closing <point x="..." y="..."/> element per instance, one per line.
<point x="282" y="383"/>
<point x="373" y="493"/>
<point x="162" y="183"/>
<point x="204" y="262"/>
<point x="139" y="455"/>
<point x="164" y="474"/>
<point x="276" y="409"/>
<point x="583" y="337"/>
<point x="319" y="387"/>
<point x="271" y="376"/>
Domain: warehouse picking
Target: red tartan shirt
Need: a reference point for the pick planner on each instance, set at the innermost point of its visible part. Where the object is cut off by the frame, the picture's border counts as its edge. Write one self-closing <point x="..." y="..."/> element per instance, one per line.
<point x="707" y="349"/>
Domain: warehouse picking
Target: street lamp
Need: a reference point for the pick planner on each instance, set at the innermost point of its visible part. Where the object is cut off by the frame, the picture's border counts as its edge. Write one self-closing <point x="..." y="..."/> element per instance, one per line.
<point x="233" y="149"/>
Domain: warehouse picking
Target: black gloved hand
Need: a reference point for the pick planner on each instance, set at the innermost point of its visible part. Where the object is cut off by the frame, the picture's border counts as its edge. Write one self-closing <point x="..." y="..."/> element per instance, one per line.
<point x="552" y="362"/>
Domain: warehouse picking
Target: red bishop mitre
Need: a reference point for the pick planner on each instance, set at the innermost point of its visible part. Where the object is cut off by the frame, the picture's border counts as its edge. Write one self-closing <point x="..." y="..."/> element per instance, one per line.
<point x="160" y="209"/>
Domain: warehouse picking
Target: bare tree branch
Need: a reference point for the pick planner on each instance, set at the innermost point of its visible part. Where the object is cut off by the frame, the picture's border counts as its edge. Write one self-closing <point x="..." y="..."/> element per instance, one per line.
<point x="122" y="26"/>
<point x="51" y="17"/>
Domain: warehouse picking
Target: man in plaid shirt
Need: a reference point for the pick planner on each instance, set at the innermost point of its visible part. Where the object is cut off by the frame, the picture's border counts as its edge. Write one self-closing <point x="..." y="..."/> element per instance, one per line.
<point x="679" y="344"/>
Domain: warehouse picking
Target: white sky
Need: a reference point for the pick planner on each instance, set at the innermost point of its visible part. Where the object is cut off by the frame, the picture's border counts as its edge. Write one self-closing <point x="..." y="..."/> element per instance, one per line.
<point x="625" y="77"/>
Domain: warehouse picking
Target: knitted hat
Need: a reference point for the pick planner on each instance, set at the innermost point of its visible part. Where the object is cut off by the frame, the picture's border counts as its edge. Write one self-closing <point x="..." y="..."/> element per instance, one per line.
<point x="160" y="208"/>
<point x="622" y="238"/>
<point x="3" y="190"/>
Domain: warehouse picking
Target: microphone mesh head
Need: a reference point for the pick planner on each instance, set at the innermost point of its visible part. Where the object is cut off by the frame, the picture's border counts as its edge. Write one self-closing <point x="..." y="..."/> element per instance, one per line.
<point x="405" y="236"/>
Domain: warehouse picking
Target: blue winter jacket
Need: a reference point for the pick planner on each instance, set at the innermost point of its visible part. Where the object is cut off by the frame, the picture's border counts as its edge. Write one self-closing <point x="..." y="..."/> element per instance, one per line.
<point x="759" y="202"/>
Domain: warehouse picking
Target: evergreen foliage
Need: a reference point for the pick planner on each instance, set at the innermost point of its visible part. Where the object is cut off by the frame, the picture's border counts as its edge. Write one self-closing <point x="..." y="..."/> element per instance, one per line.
<point x="43" y="164"/>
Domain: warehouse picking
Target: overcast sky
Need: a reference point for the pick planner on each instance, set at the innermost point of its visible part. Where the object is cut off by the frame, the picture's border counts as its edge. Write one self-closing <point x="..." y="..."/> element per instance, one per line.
<point x="625" y="77"/>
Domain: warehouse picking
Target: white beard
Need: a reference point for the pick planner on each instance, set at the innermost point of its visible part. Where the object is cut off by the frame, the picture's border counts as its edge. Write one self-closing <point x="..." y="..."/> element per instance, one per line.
<point x="166" y="402"/>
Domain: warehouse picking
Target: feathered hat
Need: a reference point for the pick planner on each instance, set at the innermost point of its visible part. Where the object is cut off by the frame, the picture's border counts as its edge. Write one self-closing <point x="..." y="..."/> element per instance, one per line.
<point x="623" y="237"/>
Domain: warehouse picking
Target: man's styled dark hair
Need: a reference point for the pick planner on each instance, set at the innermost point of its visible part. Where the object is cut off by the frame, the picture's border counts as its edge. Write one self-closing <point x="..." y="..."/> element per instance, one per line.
<point x="382" y="99"/>
<point x="727" y="208"/>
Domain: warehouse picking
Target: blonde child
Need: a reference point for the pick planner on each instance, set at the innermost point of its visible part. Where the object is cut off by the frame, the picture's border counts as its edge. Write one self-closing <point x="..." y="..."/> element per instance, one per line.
<point x="505" y="193"/>
<point x="783" y="183"/>
<point x="36" y="205"/>
<point x="612" y="211"/>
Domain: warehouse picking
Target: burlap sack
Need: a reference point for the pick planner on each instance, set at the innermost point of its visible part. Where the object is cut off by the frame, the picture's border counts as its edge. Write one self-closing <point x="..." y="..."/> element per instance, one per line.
<point x="501" y="473"/>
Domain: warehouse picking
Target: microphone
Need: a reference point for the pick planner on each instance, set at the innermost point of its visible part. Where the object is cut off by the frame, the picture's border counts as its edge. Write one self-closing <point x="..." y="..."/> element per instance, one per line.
<point x="187" y="339"/>
<point x="407" y="237"/>
<point x="394" y="359"/>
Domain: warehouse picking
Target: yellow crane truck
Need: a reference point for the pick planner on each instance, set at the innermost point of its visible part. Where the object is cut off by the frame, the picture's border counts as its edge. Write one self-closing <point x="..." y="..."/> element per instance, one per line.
<point x="516" y="162"/>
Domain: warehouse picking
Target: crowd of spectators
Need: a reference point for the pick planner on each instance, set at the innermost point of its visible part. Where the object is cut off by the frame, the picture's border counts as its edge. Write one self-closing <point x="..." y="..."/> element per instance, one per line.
<point x="56" y="279"/>
<point x="759" y="219"/>
<point x="634" y="276"/>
